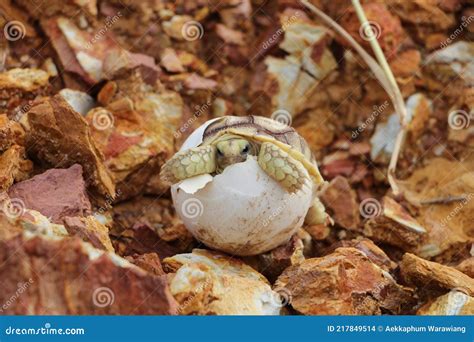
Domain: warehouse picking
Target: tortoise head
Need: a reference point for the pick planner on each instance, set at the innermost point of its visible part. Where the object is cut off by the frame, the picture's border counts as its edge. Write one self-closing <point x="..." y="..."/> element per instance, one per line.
<point x="231" y="149"/>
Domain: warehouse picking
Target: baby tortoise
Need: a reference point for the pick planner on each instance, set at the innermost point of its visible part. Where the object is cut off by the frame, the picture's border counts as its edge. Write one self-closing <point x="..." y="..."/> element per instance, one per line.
<point x="281" y="152"/>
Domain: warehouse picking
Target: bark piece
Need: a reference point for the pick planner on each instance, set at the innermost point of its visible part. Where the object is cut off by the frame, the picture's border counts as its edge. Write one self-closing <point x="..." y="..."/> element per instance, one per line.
<point x="69" y="277"/>
<point x="60" y="137"/>
<point x="57" y="193"/>
<point x="345" y="282"/>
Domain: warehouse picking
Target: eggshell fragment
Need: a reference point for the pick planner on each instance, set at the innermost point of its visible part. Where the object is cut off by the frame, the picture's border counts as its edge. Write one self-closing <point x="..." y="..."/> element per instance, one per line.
<point x="242" y="211"/>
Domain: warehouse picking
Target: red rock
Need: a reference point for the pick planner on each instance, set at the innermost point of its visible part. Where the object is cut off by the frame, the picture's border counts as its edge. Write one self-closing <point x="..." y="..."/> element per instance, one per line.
<point x="69" y="277"/>
<point x="56" y="193"/>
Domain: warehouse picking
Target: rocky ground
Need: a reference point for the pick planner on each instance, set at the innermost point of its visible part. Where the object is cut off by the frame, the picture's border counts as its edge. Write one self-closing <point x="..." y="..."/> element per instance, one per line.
<point x="96" y="95"/>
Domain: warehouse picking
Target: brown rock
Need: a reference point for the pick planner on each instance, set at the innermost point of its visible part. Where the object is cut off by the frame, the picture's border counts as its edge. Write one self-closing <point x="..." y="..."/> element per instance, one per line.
<point x="273" y="263"/>
<point x="388" y="30"/>
<point x="406" y="64"/>
<point x="390" y="223"/>
<point x="119" y="62"/>
<point x="210" y="283"/>
<point x="135" y="131"/>
<point x="345" y="282"/>
<point x="442" y="191"/>
<point x="374" y="253"/>
<point x="68" y="276"/>
<point x="146" y="224"/>
<point x="60" y="137"/>
<point x="11" y="133"/>
<point x="340" y="201"/>
<point x="452" y="303"/>
<point x="14" y="166"/>
<point x="467" y="267"/>
<point x="19" y="86"/>
<point x="90" y="230"/>
<point x="150" y="262"/>
<point x="141" y="239"/>
<point x="432" y="278"/>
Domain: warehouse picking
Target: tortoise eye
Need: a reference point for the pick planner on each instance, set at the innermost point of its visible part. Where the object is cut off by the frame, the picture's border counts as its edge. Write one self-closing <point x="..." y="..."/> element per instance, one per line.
<point x="246" y="149"/>
<point x="219" y="153"/>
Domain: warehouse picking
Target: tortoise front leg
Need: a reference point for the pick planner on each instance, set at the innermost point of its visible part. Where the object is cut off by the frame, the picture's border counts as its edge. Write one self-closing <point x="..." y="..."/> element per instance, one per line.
<point x="189" y="163"/>
<point x="283" y="168"/>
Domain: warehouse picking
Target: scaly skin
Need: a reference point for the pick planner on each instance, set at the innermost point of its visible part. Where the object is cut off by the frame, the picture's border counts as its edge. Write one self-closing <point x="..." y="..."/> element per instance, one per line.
<point x="193" y="162"/>
<point x="283" y="168"/>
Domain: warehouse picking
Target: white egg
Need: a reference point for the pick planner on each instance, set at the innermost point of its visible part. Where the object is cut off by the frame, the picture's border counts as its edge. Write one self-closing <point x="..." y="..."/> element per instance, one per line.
<point x="241" y="211"/>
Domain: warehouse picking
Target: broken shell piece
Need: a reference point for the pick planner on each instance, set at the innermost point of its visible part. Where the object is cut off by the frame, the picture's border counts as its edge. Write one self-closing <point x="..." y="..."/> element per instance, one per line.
<point x="210" y="283"/>
<point x="242" y="211"/>
<point x="453" y="303"/>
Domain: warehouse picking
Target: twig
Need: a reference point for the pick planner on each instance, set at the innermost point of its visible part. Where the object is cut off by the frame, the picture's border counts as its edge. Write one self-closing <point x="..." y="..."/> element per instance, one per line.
<point x="401" y="109"/>
<point x="384" y="75"/>
<point x="445" y="200"/>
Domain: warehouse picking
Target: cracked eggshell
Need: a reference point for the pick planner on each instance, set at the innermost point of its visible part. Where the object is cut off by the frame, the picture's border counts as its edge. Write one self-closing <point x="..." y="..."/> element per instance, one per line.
<point x="241" y="211"/>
